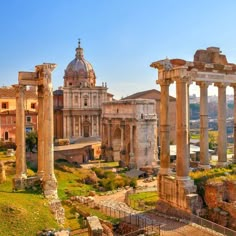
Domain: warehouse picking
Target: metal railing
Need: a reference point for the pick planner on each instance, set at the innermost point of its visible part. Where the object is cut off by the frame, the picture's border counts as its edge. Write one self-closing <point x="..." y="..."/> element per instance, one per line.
<point x="212" y="226"/>
<point x="131" y="218"/>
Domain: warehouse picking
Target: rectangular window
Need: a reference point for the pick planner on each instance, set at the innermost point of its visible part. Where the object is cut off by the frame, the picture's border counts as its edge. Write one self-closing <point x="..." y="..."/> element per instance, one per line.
<point x="33" y="105"/>
<point x="28" y="119"/>
<point x="4" y="105"/>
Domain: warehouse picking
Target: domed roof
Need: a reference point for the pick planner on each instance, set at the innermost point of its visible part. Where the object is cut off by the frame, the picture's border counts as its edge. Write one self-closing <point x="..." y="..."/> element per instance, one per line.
<point x="79" y="72"/>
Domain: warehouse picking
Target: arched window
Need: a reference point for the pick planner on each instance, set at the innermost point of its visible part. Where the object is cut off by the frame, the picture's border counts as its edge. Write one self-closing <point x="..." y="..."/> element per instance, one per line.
<point x="85" y="102"/>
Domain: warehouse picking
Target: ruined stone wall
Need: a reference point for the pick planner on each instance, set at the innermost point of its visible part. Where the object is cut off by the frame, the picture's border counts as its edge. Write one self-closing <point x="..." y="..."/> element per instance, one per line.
<point x="220" y="199"/>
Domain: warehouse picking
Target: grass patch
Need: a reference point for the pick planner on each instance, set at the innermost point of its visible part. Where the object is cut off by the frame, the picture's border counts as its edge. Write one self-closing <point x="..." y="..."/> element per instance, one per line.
<point x="140" y="201"/>
<point x="23" y="213"/>
<point x="194" y="136"/>
<point x="71" y="181"/>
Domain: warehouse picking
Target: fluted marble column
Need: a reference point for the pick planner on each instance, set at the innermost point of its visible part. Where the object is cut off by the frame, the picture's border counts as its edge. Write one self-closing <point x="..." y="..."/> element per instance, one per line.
<point x="204" y="143"/>
<point x="222" y="136"/>
<point x="40" y="131"/>
<point x="164" y="128"/>
<point x="20" y="133"/>
<point x="122" y="127"/>
<point x="182" y="123"/>
<point x="234" y="156"/>
<point x="132" y="162"/>
<point x="49" y="179"/>
<point x="109" y="133"/>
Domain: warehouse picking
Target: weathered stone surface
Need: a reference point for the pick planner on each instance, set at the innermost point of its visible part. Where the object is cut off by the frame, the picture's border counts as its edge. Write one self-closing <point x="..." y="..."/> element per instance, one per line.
<point x="220" y="199"/>
<point x="130" y="132"/>
<point x="211" y="55"/>
<point x="57" y="210"/>
<point x="94" y="226"/>
<point x="214" y="194"/>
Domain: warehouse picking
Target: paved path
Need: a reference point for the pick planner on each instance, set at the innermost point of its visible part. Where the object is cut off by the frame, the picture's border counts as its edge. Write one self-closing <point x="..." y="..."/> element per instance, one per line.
<point x="168" y="227"/>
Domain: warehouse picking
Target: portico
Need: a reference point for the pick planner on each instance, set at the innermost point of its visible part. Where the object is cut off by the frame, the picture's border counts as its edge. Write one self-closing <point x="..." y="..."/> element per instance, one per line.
<point x="209" y="67"/>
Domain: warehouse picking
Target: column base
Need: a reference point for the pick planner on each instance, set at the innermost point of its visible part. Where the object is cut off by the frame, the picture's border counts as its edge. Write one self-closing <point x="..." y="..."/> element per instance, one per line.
<point x="50" y="187"/>
<point x="179" y="192"/>
<point x="19" y="182"/>
<point x="205" y="167"/>
<point x="222" y="163"/>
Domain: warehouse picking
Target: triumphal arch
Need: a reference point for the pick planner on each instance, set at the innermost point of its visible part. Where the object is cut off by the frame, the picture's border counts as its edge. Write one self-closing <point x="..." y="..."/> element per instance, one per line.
<point x="41" y="78"/>
<point x="209" y="67"/>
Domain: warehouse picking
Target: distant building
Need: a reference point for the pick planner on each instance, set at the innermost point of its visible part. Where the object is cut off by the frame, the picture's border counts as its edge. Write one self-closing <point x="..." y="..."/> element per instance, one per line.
<point x="8" y="112"/>
<point x="156" y="95"/>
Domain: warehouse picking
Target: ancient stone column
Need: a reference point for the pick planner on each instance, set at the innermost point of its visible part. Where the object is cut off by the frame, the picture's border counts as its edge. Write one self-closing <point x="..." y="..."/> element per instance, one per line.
<point x="20" y="133"/>
<point x="182" y="117"/>
<point x="234" y="156"/>
<point x="109" y="133"/>
<point x="40" y="131"/>
<point x="122" y="128"/>
<point x="132" y="162"/>
<point x="204" y="144"/>
<point x="49" y="179"/>
<point x="222" y="136"/>
<point x="164" y="127"/>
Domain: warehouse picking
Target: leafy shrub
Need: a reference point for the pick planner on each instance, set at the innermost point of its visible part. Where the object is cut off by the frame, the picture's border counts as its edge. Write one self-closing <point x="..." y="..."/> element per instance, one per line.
<point x="7" y="145"/>
<point x="216" y="175"/>
<point x="112" y="181"/>
<point x="99" y="172"/>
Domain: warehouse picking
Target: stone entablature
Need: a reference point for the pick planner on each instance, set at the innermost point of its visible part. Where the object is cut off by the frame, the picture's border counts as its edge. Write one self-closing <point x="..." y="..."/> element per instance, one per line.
<point x="129" y="132"/>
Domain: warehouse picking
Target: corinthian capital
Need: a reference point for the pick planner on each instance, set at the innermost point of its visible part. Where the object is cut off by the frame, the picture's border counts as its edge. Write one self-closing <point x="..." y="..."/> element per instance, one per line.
<point x="203" y="84"/>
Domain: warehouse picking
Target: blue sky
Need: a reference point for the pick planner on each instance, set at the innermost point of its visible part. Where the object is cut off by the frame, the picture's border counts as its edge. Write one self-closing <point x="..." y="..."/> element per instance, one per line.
<point x="121" y="38"/>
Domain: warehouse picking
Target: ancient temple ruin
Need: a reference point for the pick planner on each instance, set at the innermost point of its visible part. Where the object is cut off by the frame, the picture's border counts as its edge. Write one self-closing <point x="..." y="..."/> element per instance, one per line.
<point x="41" y="78"/>
<point x="209" y="67"/>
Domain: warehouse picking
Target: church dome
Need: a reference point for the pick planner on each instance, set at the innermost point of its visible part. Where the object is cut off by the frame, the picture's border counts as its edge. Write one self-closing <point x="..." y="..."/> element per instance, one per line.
<point x="79" y="72"/>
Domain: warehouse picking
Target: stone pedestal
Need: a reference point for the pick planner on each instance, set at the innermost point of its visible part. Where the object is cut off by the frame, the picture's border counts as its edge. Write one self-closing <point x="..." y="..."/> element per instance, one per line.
<point x="50" y="188"/>
<point x="178" y="192"/>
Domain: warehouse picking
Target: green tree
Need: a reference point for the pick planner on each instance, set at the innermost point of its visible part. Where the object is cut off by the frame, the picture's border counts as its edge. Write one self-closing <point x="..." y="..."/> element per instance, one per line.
<point x="31" y="140"/>
<point x="212" y="138"/>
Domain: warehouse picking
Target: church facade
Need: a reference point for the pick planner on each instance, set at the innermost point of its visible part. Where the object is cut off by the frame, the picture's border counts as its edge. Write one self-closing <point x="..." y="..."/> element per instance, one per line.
<point x="82" y="99"/>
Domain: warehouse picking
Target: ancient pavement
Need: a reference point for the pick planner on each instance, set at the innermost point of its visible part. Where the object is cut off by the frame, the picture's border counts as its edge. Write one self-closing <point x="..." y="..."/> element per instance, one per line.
<point x="169" y="227"/>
